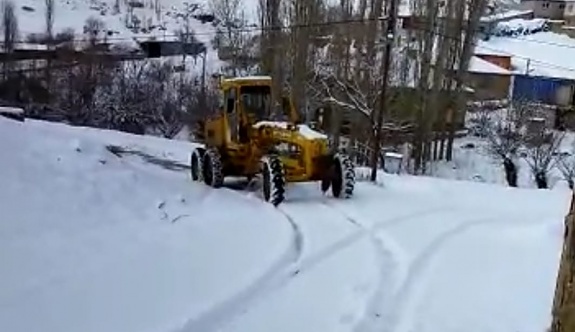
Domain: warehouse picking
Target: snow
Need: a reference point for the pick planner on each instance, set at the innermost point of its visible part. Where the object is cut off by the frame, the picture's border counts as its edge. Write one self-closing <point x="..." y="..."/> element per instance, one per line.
<point x="250" y="78"/>
<point x="303" y="129"/>
<point x="11" y="110"/>
<point x="93" y="241"/>
<point x="485" y="49"/>
<point x="544" y="53"/>
<point x="394" y="155"/>
<point x="72" y="14"/>
<point x="505" y="15"/>
<point x="519" y="26"/>
<point x="12" y="113"/>
<point x="478" y="65"/>
<point x="472" y="162"/>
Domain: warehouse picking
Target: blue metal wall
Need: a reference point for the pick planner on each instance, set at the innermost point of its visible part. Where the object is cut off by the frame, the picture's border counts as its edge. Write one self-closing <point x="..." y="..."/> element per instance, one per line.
<point x="536" y="89"/>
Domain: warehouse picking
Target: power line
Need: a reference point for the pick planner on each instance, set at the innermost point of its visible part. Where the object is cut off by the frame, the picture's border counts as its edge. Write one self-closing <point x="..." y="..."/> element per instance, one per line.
<point x="364" y="20"/>
<point x="249" y="29"/>
<point x="544" y="63"/>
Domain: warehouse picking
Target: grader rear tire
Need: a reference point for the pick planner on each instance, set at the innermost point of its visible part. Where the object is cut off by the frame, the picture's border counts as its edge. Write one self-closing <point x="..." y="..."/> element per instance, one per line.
<point x="343" y="182"/>
<point x="212" y="169"/>
<point x="196" y="164"/>
<point x="274" y="182"/>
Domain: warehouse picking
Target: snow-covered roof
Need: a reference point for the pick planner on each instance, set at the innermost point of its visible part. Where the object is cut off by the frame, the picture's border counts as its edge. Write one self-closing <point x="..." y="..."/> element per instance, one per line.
<point x="542" y="54"/>
<point x="505" y="15"/>
<point x="249" y="78"/>
<point x="480" y="66"/>
<point x="481" y="49"/>
<point x="520" y="26"/>
<point x="11" y="110"/>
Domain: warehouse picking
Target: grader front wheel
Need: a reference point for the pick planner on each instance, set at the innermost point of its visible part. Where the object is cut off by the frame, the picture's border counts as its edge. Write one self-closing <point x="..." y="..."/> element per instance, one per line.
<point x="212" y="169"/>
<point x="274" y="182"/>
<point x="196" y="164"/>
<point x="340" y="177"/>
<point x="345" y="176"/>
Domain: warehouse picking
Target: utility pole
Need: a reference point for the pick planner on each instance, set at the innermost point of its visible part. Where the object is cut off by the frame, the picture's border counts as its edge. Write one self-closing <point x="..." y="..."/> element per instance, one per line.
<point x="204" y="97"/>
<point x="389" y="37"/>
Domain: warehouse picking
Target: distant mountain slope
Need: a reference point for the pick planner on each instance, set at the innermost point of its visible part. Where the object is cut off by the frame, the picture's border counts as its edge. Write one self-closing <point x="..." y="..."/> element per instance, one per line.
<point x="121" y="22"/>
<point x="506" y="4"/>
<point x="121" y="19"/>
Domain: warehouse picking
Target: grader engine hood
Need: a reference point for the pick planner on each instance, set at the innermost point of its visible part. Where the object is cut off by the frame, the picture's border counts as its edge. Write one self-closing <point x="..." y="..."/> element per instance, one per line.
<point x="300" y="148"/>
<point x="303" y="130"/>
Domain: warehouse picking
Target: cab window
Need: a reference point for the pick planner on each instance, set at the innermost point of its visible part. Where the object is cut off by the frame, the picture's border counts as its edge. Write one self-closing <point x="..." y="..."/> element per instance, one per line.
<point x="230" y="99"/>
<point x="256" y="100"/>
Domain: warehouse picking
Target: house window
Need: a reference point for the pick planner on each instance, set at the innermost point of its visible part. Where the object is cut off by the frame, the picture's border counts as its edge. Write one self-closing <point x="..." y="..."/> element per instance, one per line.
<point x="545" y="5"/>
<point x="562" y="6"/>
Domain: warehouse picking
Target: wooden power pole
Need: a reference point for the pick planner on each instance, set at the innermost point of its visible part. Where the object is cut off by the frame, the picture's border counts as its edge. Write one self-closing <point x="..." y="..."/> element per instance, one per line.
<point x="388" y="37"/>
<point x="564" y="300"/>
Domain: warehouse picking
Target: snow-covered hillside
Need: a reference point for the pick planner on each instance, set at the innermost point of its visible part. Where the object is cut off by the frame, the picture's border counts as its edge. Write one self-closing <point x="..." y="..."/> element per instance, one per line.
<point x="125" y="24"/>
<point x="120" y="23"/>
<point x="501" y="5"/>
<point x="100" y="239"/>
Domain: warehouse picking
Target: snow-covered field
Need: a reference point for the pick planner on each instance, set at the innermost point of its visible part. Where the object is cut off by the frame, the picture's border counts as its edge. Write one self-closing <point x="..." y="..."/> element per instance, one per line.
<point x="94" y="241"/>
<point x="126" y="24"/>
<point x="472" y="162"/>
<point x="120" y="22"/>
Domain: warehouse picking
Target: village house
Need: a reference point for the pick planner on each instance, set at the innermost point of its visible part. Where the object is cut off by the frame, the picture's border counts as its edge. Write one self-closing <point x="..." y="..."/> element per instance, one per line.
<point x="490" y="76"/>
<point x="552" y="9"/>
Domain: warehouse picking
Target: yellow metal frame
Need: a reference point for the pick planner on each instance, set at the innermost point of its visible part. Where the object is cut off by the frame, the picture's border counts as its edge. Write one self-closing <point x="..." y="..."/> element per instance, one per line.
<point x="243" y="159"/>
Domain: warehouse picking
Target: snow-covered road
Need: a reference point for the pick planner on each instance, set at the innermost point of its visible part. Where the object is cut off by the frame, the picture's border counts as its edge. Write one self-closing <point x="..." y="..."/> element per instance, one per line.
<point x="92" y="241"/>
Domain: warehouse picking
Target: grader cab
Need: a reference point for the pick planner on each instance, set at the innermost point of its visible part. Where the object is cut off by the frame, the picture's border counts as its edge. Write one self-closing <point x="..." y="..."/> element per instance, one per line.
<point x="246" y="138"/>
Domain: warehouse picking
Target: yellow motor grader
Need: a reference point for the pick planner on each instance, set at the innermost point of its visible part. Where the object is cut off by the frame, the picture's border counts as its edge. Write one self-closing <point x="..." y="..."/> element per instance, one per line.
<point x="242" y="140"/>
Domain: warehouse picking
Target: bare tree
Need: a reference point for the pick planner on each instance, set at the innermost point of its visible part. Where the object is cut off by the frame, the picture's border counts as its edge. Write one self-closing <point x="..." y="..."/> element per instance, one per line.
<point x="481" y="117"/>
<point x="339" y="63"/>
<point x="468" y="19"/>
<point x="49" y="16"/>
<point x="186" y="36"/>
<point x="158" y="9"/>
<point x="116" y="7"/>
<point x="93" y="28"/>
<point x="504" y="140"/>
<point x="566" y="165"/>
<point x="271" y="48"/>
<point x="233" y="40"/>
<point x="541" y="155"/>
<point x="300" y="17"/>
<point x="10" y="32"/>
<point x="439" y="42"/>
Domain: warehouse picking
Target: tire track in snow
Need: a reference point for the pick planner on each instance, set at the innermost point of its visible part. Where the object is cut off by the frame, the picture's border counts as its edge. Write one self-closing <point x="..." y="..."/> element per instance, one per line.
<point x="275" y="275"/>
<point x="349" y="240"/>
<point x="388" y="266"/>
<point x="407" y="296"/>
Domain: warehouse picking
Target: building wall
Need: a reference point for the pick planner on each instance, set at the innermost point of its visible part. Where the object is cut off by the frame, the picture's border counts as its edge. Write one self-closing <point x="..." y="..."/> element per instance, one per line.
<point x="552" y="9"/>
<point x="570" y="20"/>
<point x="489" y="86"/>
<point x="502" y="61"/>
<point x="568" y="30"/>
<point x="564" y="95"/>
<point x="543" y="90"/>
<point x="569" y="8"/>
